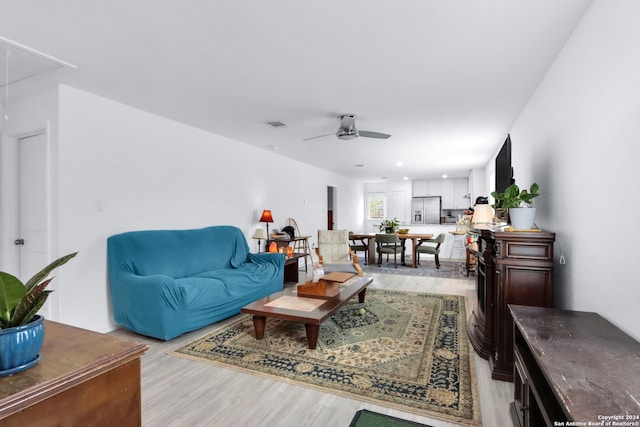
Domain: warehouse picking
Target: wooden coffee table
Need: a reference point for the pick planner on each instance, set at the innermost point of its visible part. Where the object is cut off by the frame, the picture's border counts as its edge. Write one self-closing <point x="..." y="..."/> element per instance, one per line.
<point x="286" y="304"/>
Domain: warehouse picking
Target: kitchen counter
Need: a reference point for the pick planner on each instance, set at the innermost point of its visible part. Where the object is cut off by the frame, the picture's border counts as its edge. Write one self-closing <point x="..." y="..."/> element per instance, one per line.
<point x="425" y="227"/>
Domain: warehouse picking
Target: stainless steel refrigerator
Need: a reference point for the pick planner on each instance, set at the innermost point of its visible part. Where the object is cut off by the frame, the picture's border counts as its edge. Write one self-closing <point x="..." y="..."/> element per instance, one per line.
<point x="426" y="210"/>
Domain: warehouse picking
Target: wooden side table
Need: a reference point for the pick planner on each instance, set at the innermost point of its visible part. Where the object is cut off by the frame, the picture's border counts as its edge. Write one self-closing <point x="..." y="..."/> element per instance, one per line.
<point x="301" y="246"/>
<point x="83" y="378"/>
<point x="291" y="267"/>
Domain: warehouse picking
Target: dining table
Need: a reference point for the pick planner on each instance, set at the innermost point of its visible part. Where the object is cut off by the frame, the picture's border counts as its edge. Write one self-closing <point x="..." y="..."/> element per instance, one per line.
<point x="371" y="244"/>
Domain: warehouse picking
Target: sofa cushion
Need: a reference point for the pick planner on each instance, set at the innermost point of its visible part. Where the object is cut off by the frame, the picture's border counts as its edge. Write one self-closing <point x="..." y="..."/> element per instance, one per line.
<point x="180" y="253"/>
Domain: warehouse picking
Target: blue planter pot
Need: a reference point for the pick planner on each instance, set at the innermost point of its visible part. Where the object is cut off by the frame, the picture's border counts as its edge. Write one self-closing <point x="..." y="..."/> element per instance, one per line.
<point x="20" y="346"/>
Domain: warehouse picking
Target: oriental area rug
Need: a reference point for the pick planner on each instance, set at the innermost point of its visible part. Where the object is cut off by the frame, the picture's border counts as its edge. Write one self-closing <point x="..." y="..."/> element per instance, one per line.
<point x="427" y="268"/>
<point x="405" y="350"/>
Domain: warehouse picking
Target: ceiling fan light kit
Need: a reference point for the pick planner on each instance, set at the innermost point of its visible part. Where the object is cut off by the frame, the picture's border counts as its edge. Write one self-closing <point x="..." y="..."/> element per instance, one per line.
<point x="347" y="134"/>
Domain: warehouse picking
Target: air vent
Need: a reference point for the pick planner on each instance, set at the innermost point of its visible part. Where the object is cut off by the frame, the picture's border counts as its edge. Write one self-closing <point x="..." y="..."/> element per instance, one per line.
<point x="277" y="124"/>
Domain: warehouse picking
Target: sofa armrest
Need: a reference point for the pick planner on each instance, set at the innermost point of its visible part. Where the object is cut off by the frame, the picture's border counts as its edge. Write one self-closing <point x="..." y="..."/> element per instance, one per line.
<point x="267" y="258"/>
<point x="132" y="289"/>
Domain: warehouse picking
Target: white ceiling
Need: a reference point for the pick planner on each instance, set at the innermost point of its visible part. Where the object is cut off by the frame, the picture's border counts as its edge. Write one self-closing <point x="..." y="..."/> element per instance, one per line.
<point x="445" y="78"/>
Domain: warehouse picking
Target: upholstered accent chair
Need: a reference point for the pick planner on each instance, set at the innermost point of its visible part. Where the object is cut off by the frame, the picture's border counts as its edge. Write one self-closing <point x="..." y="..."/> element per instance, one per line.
<point x="335" y="254"/>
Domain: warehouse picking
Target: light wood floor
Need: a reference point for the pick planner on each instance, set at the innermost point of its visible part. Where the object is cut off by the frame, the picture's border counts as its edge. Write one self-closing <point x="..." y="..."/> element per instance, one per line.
<point x="179" y="392"/>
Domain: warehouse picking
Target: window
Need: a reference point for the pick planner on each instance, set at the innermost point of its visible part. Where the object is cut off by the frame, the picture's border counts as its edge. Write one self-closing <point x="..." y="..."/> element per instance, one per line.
<point x="377" y="206"/>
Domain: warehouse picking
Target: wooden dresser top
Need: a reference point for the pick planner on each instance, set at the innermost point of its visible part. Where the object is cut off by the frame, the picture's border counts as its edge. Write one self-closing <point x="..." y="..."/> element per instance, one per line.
<point x="591" y="365"/>
<point x="69" y="356"/>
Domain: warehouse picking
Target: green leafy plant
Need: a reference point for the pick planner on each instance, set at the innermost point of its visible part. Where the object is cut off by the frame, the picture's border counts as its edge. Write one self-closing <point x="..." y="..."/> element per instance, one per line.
<point x="389" y="224"/>
<point x="20" y="302"/>
<point x="513" y="197"/>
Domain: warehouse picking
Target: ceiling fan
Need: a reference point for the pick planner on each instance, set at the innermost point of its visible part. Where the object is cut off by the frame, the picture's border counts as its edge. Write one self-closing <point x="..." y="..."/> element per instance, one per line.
<point x="347" y="130"/>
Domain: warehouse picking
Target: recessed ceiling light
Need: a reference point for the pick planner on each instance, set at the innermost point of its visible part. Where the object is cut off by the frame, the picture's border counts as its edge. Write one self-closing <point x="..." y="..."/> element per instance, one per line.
<point x="405" y="178"/>
<point x="444" y="176"/>
<point x="398" y="163"/>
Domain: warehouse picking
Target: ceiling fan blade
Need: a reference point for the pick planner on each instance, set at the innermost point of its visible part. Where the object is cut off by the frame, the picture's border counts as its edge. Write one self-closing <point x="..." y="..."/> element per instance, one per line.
<point x="369" y="134"/>
<point x="319" y="136"/>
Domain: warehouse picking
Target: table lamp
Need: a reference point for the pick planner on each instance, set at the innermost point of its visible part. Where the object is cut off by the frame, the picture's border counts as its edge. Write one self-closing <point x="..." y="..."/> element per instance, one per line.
<point x="482" y="215"/>
<point x="266" y="218"/>
<point x="259" y="234"/>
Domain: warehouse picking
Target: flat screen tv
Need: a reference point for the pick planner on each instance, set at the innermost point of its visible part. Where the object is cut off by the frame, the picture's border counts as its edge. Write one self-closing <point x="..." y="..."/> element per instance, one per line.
<point x="504" y="171"/>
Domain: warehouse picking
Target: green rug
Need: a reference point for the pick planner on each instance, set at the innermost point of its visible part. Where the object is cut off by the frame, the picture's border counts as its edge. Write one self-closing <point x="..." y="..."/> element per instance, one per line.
<point x="365" y="418"/>
<point x="408" y="351"/>
<point x="427" y="268"/>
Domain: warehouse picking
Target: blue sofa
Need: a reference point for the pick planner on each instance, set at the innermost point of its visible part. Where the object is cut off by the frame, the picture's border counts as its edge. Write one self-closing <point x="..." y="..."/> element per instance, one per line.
<point x="164" y="283"/>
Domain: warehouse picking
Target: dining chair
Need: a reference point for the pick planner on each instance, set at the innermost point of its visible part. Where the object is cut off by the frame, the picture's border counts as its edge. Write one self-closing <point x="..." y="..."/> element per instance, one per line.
<point x="431" y="247"/>
<point x="359" y="245"/>
<point x="388" y="244"/>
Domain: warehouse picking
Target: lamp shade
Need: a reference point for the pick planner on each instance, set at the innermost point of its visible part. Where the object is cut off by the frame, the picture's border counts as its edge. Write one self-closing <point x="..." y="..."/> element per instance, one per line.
<point x="260" y="234"/>
<point x="266" y="216"/>
<point x="482" y="215"/>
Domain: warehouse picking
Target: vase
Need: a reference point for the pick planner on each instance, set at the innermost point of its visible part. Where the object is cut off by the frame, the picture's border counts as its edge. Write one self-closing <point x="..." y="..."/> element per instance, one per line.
<point x="522" y="218"/>
<point x="20" y="346"/>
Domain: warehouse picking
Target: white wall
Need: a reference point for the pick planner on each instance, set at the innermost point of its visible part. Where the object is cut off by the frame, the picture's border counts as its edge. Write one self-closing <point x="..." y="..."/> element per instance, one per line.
<point x="120" y="169"/>
<point x="578" y="138"/>
<point x="478" y="185"/>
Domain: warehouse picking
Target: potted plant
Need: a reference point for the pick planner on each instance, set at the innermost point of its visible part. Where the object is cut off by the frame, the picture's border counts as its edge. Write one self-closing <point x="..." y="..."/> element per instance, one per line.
<point x="389" y="226"/>
<point x="21" y="329"/>
<point x="519" y="204"/>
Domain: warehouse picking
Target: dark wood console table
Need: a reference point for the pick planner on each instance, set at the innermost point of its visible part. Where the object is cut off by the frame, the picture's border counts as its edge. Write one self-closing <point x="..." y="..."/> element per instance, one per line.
<point x="573" y="366"/>
<point x="83" y="378"/>
<point x="513" y="268"/>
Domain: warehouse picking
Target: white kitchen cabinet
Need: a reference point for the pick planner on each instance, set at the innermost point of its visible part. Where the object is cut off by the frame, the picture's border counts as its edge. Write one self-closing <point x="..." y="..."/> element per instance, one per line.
<point x="419" y="187"/>
<point x="451" y="190"/>
<point x="426" y="187"/>
<point x="448" y="194"/>
<point x="434" y="187"/>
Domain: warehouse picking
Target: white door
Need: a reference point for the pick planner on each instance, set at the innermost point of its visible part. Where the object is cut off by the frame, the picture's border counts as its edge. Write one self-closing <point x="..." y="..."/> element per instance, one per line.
<point x="399" y="206"/>
<point x="33" y="204"/>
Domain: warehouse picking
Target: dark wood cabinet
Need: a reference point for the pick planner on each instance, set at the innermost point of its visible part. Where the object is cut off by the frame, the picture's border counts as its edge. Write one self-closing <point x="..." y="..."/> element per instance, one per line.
<point x="572" y="368"/>
<point x="513" y="268"/>
<point x="84" y="378"/>
<point x="480" y="327"/>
